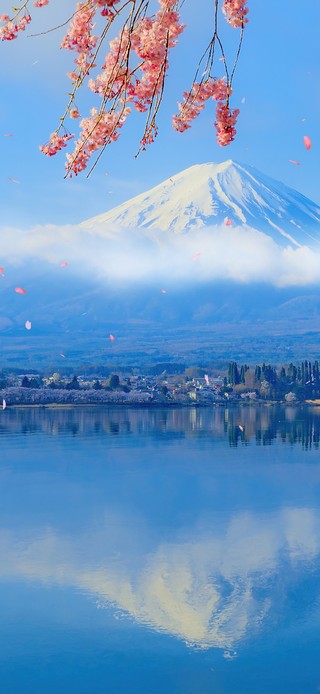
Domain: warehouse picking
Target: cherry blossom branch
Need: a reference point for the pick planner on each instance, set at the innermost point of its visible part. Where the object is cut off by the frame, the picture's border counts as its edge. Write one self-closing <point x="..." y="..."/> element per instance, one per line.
<point x="235" y="12"/>
<point x="134" y="71"/>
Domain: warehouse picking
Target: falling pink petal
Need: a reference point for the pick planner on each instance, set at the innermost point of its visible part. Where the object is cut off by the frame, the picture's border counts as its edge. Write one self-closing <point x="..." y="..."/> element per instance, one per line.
<point x="307" y="142"/>
<point x="163" y="291"/>
<point x="293" y="161"/>
<point x="2" y="271"/>
<point x="19" y="290"/>
<point x="63" y="264"/>
<point x="7" y="134"/>
<point x="223" y="59"/>
<point x="228" y="222"/>
<point x="171" y="179"/>
<point x="241" y="427"/>
<point x="62" y="355"/>
<point x="196" y="256"/>
<point x="14" y="180"/>
<point x="28" y="325"/>
<point x="4" y="404"/>
<point x="111" y="338"/>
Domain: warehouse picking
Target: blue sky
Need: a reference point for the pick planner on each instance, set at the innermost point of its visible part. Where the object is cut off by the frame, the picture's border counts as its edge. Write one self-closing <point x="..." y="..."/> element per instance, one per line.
<point x="278" y="75"/>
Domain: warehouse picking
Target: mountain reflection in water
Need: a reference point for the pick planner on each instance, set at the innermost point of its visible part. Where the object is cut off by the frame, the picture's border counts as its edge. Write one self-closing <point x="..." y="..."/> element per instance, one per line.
<point x="198" y="524"/>
<point x="210" y="588"/>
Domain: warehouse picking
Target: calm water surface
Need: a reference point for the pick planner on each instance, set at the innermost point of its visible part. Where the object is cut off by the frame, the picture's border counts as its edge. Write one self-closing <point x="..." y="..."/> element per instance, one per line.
<point x="160" y="551"/>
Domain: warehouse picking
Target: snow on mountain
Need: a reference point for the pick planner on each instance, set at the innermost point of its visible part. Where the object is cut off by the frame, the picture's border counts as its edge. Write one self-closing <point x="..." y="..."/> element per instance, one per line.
<point x="206" y="194"/>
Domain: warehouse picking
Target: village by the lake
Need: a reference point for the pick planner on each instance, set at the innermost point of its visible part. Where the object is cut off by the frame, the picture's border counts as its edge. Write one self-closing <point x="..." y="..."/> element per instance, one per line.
<point x="166" y="386"/>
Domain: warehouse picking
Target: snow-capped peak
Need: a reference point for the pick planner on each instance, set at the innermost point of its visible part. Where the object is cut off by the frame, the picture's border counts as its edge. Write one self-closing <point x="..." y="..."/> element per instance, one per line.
<point x="206" y="194"/>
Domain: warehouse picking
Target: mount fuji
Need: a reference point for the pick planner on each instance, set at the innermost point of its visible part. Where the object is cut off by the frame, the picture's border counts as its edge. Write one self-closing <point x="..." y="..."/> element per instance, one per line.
<point x="208" y="194"/>
<point x="216" y="254"/>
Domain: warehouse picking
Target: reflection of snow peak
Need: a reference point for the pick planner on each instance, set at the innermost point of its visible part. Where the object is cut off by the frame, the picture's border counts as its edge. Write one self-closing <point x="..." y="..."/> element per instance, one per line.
<point x="206" y="194"/>
<point x="211" y="591"/>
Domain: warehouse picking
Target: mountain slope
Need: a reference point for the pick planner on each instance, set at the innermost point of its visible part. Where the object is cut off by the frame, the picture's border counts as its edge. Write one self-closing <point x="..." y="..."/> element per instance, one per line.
<point x="207" y="194"/>
<point x="165" y="275"/>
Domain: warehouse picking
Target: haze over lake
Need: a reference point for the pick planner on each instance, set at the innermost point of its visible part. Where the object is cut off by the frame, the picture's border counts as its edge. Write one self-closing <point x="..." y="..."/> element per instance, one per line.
<point x="160" y="550"/>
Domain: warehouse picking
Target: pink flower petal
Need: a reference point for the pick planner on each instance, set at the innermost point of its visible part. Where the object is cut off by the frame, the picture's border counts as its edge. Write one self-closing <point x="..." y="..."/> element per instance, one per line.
<point x="19" y="290"/>
<point x="307" y="142"/>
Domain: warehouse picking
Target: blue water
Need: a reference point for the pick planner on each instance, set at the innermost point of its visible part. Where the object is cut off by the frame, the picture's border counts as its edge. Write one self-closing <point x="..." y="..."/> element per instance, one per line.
<point x="160" y="551"/>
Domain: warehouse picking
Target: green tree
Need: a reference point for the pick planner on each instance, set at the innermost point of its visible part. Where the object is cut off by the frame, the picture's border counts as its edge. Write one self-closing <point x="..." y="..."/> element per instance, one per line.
<point x="282" y="374"/>
<point x="34" y="383"/>
<point x="74" y="384"/>
<point x="257" y="373"/>
<point x="292" y="373"/>
<point x="97" y="385"/>
<point x="233" y="373"/>
<point x="114" y="381"/>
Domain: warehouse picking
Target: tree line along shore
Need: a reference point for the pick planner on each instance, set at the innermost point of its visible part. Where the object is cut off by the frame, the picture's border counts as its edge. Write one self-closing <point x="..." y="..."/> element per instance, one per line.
<point x="195" y="385"/>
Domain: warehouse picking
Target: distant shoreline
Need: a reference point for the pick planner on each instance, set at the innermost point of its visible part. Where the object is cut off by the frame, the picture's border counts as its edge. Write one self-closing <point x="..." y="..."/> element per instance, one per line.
<point x="27" y="398"/>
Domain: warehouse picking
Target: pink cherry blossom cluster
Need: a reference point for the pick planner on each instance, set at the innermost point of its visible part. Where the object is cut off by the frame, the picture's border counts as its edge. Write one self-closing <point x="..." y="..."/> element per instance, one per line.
<point x="20" y="20"/>
<point x="113" y="78"/>
<point x="108" y="7"/>
<point x="98" y="130"/>
<point x="79" y="37"/>
<point x="55" y="144"/>
<point x="194" y="101"/>
<point x="151" y="40"/>
<point x="74" y="113"/>
<point x="11" y="27"/>
<point x="225" y="124"/>
<point x="134" y="70"/>
<point x="235" y="12"/>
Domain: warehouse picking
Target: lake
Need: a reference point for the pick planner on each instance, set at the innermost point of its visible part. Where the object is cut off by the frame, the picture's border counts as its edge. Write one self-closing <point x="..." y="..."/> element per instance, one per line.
<point x="160" y="551"/>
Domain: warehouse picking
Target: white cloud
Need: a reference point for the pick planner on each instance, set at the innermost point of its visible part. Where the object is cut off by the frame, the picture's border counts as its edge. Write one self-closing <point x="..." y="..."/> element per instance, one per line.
<point x="219" y="253"/>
